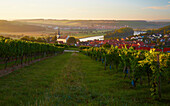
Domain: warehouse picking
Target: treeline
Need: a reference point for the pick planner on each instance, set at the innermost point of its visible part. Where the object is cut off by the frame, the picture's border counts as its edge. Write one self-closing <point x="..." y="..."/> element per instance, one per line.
<point x="164" y="30"/>
<point x="7" y="26"/>
<point x="47" y="39"/>
<point x="122" y="32"/>
<point x="40" y="39"/>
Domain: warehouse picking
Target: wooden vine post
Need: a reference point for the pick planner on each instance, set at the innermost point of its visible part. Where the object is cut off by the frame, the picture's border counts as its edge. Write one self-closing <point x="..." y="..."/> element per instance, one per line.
<point x="105" y="64"/>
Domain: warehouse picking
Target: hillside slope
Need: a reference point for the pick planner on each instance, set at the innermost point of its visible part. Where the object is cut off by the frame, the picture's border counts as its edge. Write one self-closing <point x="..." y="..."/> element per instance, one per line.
<point x="135" y="24"/>
<point x="12" y="26"/>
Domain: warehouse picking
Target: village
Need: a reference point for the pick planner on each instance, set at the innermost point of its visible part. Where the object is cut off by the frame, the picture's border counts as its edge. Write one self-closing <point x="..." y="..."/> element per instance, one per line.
<point x="139" y="42"/>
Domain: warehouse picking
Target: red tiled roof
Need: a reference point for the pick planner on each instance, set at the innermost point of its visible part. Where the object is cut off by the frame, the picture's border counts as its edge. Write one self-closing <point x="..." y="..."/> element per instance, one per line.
<point x="166" y="49"/>
<point x="143" y="48"/>
<point x="135" y="45"/>
<point x="62" y="37"/>
<point x="159" y="50"/>
<point x="152" y="44"/>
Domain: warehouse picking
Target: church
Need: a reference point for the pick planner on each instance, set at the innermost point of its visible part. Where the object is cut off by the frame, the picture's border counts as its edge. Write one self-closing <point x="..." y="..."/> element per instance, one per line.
<point x="62" y="39"/>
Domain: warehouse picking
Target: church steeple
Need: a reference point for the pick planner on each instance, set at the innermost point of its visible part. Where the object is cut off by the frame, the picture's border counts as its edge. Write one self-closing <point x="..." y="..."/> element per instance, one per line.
<point x="58" y="31"/>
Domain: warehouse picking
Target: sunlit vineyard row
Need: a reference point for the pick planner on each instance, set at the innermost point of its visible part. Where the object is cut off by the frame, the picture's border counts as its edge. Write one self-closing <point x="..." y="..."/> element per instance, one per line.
<point x="19" y="52"/>
<point x="135" y="64"/>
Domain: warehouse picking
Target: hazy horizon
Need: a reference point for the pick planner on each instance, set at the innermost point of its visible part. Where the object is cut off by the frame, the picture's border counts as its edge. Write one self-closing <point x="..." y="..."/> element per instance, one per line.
<point x="148" y="10"/>
<point x="158" y="20"/>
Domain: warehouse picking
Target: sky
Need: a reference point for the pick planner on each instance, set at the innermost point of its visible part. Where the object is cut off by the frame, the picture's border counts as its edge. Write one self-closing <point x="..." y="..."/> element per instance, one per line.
<point x="85" y="9"/>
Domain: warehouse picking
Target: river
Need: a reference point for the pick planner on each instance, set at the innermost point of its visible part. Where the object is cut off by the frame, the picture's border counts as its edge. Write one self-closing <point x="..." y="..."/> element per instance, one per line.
<point x="92" y="38"/>
<point x="102" y="36"/>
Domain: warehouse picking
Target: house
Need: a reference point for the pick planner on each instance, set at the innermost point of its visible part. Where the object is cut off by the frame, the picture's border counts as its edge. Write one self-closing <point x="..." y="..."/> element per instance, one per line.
<point x="63" y="39"/>
<point x="134" y="38"/>
<point x="166" y="36"/>
<point x="124" y="38"/>
<point x="127" y="38"/>
<point x="140" y="39"/>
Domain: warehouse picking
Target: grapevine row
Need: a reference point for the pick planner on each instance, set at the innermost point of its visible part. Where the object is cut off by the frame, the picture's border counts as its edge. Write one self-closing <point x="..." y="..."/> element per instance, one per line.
<point x="136" y="64"/>
<point x="19" y="51"/>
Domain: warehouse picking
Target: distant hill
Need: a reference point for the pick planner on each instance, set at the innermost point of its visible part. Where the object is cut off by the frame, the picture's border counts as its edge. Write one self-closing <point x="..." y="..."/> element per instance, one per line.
<point x="135" y="24"/>
<point x="13" y="26"/>
<point x="33" y="25"/>
<point x="163" y="20"/>
<point x="122" y="32"/>
<point x="164" y="30"/>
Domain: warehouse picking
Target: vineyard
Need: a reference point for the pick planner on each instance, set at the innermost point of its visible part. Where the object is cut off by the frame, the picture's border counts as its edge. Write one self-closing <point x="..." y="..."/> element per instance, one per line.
<point x="136" y="65"/>
<point x="18" y="52"/>
<point x="103" y="76"/>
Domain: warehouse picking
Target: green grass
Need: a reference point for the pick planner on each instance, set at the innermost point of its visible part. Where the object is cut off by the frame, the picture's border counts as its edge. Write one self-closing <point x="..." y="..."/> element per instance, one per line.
<point x="13" y="63"/>
<point x="73" y="79"/>
<point x="32" y="82"/>
<point x="71" y="48"/>
<point x="109" y="87"/>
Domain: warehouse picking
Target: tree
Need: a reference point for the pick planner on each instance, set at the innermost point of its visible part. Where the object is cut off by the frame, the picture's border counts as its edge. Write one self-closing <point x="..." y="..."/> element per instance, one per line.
<point x="26" y="38"/>
<point x="1" y="37"/>
<point x="166" y="39"/>
<point x="164" y="30"/>
<point x="158" y="41"/>
<point x="145" y="38"/>
<point x="40" y="39"/>
<point x="54" y="39"/>
<point x="7" y="38"/>
<point x="71" y="41"/>
<point x="48" y="39"/>
<point x="107" y="45"/>
<point x="122" y="32"/>
<point x="32" y="39"/>
<point x="77" y="40"/>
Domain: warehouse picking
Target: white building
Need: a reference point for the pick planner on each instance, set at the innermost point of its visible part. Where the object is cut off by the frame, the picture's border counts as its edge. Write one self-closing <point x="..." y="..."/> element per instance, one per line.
<point x="63" y="39"/>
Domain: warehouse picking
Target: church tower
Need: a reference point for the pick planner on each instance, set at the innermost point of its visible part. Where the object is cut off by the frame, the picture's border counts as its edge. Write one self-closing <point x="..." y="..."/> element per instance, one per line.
<point x="58" y="31"/>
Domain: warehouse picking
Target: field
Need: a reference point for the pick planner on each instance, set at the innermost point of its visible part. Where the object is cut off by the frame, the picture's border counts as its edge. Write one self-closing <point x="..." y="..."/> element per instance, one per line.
<point x="73" y="79"/>
<point x="76" y="34"/>
<point x="12" y="26"/>
<point x="84" y="53"/>
<point x="76" y="28"/>
<point x="136" y="24"/>
<point x="17" y="30"/>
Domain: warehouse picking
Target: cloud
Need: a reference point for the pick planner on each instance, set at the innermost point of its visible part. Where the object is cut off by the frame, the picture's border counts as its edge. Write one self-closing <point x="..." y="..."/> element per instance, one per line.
<point x="158" y="7"/>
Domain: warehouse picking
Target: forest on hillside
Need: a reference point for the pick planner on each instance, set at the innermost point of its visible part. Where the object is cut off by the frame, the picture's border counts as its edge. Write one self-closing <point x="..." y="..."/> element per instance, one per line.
<point x="122" y="32"/>
<point x="164" y="30"/>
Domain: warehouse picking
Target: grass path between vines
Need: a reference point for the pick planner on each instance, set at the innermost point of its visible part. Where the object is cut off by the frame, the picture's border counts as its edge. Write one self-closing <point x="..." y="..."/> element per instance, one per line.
<point x="72" y="79"/>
